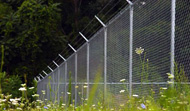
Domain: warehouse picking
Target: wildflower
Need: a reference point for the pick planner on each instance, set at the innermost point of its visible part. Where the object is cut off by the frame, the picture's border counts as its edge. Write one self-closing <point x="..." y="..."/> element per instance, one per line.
<point x="8" y="96"/>
<point x="23" y="85"/>
<point x="122" y="91"/>
<point x="164" y="88"/>
<point x="43" y="92"/>
<point x="38" y="107"/>
<point x="139" y="50"/>
<point x="122" y="80"/>
<point x="76" y="87"/>
<point x="180" y="102"/>
<point x="45" y="107"/>
<point x="85" y="86"/>
<point x="68" y="93"/>
<point x="2" y="100"/>
<point x="139" y="108"/>
<point x="22" y="89"/>
<point x="48" y="105"/>
<point x="170" y="76"/>
<point x="93" y="105"/>
<point x="143" y="3"/>
<point x="31" y="88"/>
<point x="15" y="103"/>
<point x="63" y="104"/>
<point x="35" y="95"/>
<point x="143" y="106"/>
<point x="18" y="99"/>
<point x="19" y="108"/>
<point x="135" y="95"/>
<point x="170" y="82"/>
<point x="163" y="96"/>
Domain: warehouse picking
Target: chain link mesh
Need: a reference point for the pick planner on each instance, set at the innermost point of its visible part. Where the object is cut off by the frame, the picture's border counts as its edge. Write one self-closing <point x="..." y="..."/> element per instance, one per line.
<point x="118" y="57"/>
<point x="182" y="37"/>
<point x="151" y="32"/>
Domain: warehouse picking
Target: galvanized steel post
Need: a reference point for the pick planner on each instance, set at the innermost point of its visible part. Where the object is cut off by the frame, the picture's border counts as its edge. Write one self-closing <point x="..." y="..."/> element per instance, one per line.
<point x="58" y="77"/>
<point x="65" y="77"/>
<point x="88" y="65"/>
<point x="105" y="56"/>
<point x="75" y="73"/>
<point x="173" y="11"/>
<point x="130" y="48"/>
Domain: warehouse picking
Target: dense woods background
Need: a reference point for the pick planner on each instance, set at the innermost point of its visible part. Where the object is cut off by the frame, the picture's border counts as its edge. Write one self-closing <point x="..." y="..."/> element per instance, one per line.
<point x="33" y="32"/>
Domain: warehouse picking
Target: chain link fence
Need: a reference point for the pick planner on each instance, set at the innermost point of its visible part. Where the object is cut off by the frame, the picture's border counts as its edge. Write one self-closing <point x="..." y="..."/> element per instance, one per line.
<point x="110" y="55"/>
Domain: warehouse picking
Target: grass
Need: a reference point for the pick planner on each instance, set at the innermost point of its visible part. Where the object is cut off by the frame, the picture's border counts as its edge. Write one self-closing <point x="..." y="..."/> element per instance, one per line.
<point x="174" y="97"/>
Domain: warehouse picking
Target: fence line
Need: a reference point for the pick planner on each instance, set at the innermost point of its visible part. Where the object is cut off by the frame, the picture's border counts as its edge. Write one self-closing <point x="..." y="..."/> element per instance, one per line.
<point x="110" y="52"/>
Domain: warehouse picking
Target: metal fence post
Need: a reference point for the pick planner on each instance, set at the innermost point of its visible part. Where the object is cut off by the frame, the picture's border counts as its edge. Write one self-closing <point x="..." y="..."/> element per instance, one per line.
<point x="75" y="73"/>
<point x="58" y="97"/>
<point x="87" y="69"/>
<point x="130" y="49"/>
<point x="65" y="77"/>
<point x="105" y="56"/>
<point x="173" y="11"/>
<point x="52" y="83"/>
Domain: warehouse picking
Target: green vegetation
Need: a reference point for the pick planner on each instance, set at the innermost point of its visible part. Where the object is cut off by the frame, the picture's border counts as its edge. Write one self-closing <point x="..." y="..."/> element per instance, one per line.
<point x="33" y="32"/>
<point x="168" y="99"/>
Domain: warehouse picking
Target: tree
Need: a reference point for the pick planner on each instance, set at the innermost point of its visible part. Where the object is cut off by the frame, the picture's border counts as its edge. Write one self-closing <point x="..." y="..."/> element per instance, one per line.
<point x="32" y="36"/>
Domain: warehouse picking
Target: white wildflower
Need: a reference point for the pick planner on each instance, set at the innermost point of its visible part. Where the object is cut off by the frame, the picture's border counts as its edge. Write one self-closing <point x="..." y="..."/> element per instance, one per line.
<point x="122" y="80"/>
<point x="43" y="92"/>
<point x="122" y="91"/>
<point x="68" y="93"/>
<point x="22" y="89"/>
<point x="85" y="86"/>
<point x="164" y="88"/>
<point x="2" y="100"/>
<point x="48" y="105"/>
<point x="35" y="95"/>
<point x="19" y="108"/>
<point x="170" y="76"/>
<point x="139" y="50"/>
<point x="135" y="95"/>
<point x="31" y="88"/>
<point x="23" y="85"/>
<point x="170" y="82"/>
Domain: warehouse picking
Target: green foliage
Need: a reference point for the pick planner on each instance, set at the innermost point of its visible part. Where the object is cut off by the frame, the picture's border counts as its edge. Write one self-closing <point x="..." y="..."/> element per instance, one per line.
<point x="28" y="33"/>
<point x="2" y="74"/>
<point x="11" y="84"/>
